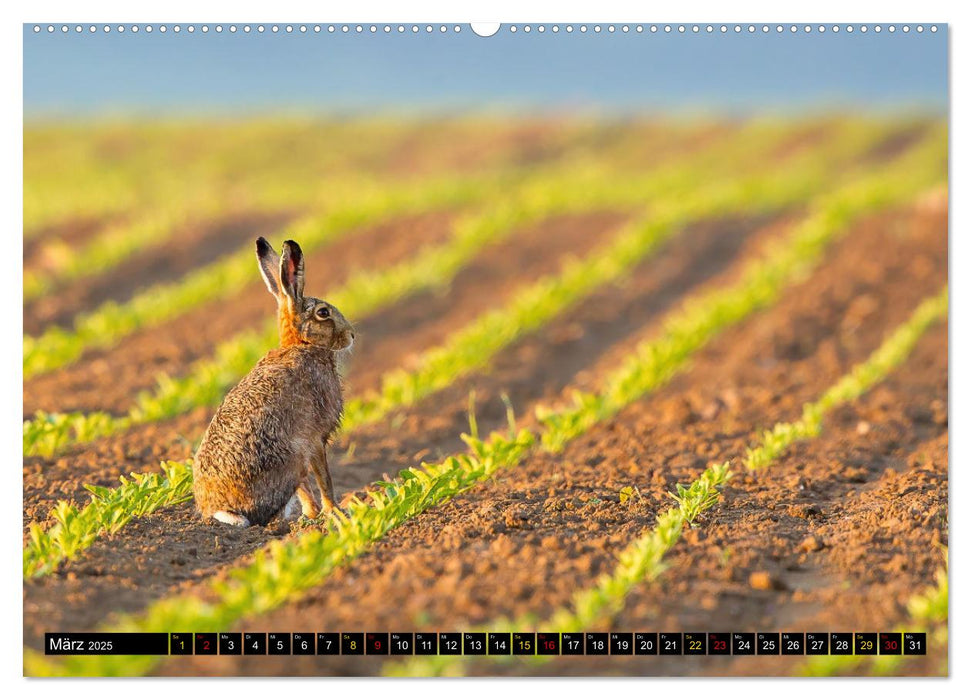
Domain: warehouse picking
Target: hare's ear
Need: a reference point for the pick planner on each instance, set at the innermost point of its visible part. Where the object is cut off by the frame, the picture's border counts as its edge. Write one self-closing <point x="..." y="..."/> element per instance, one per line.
<point x="269" y="265"/>
<point x="291" y="272"/>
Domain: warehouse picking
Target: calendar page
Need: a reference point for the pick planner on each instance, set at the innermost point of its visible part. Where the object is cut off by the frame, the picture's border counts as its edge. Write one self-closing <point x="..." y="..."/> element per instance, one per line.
<point x="519" y="349"/>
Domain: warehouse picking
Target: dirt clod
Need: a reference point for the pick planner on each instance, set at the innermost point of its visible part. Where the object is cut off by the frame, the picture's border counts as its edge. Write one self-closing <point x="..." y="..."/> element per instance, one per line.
<point x="811" y="544"/>
<point x="764" y="581"/>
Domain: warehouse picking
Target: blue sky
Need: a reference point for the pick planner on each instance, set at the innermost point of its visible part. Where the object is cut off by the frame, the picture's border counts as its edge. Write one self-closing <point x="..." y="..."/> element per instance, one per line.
<point x="199" y="74"/>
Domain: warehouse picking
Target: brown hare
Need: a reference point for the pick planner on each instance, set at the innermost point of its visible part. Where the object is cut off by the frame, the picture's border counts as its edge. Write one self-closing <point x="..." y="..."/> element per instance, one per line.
<point x="271" y="431"/>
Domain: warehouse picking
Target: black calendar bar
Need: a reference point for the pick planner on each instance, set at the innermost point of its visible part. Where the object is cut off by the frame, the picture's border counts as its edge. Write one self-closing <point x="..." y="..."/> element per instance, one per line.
<point x="488" y="643"/>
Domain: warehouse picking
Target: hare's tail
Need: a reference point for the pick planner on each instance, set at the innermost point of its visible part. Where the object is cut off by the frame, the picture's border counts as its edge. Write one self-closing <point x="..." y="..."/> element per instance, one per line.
<point x="291" y="511"/>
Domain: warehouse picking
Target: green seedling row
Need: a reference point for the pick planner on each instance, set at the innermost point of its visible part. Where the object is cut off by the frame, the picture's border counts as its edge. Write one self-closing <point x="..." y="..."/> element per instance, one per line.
<point x="363" y="293"/>
<point x="533" y="306"/>
<point x="110" y="510"/>
<point x="71" y="173"/>
<point x="643" y="560"/>
<point x="209" y="196"/>
<point x="760" y="285"/>
<point x="461" y="353"/>
<point x="112" y="321"/>
<point x="48" y="433"/>
<point x="474" y="346"/>
<point x="284" y="570"/>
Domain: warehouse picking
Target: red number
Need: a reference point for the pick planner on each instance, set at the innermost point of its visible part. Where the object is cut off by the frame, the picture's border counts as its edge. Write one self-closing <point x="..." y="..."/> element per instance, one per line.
<point x="719" y="645"/>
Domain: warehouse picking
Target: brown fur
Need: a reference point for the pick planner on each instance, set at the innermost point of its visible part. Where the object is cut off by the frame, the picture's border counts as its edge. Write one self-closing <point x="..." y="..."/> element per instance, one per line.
<point x="289" y="330"/>
<point x="269" y="436"/>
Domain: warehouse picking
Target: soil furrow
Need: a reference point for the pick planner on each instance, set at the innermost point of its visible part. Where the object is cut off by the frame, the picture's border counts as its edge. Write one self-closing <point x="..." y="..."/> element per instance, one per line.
<point x="109" y="379"/>
<point x="525" y="543"/>
<point x="194" y="245"/>
<point x="835" y="536"/>
<point x="536" y="368"/>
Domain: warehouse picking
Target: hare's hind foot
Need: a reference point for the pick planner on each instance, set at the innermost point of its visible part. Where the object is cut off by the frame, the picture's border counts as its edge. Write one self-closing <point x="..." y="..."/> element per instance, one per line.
<point x="225" y="516"/>
<point x="291" y="511"/>
<point x="308" y="502"/>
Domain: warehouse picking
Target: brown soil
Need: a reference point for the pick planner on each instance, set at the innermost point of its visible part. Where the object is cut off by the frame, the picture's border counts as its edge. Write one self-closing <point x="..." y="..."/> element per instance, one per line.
<point x="104" y="583"/>
<point x="110" y="379"/>
<point x="193" y="246"/>
<point x="629" y="144"/>
<point x="525" y="543"/>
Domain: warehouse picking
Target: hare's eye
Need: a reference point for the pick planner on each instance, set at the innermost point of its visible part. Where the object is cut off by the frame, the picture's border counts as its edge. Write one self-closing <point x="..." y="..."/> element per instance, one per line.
<point x="323" y="312"/>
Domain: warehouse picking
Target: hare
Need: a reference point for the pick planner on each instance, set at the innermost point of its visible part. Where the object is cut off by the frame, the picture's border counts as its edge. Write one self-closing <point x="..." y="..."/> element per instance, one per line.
<point x="272" y="429"/>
